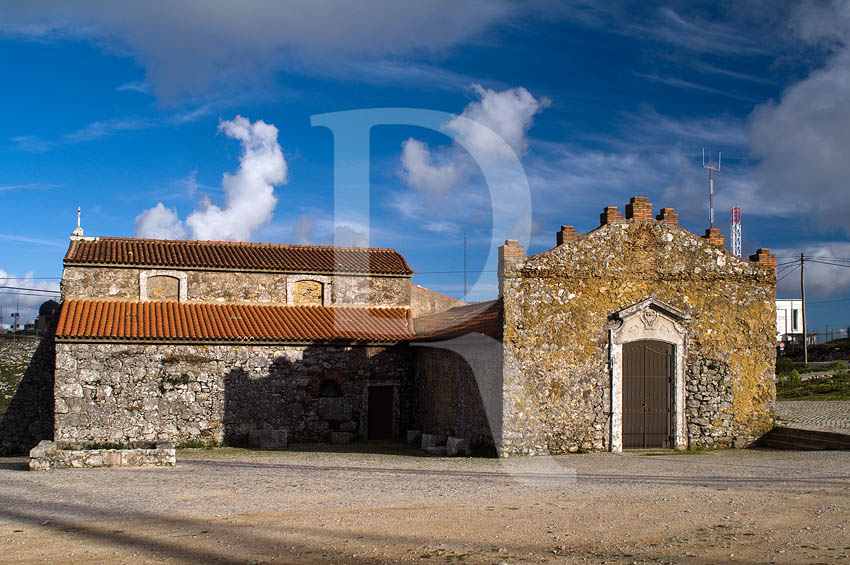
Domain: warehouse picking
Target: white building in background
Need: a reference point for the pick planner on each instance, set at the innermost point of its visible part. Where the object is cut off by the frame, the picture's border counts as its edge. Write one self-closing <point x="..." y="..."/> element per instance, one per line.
<point x="789" y="320"/>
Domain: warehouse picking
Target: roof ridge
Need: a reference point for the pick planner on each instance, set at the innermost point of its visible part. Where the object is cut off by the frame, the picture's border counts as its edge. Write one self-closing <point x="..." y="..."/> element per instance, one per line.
<point x="440" y="294"/>
<point x="110" y="300"/>
<point x="245" y="243"/>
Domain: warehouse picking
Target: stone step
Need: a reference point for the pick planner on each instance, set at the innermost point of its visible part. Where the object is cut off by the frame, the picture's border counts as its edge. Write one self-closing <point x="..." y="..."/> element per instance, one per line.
<point x="804" y="440"/>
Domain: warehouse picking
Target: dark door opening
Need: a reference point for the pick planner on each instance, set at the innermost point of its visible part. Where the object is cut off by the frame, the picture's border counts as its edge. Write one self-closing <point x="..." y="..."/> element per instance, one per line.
<point x="381" y="412"/>
<point x="647" y="379"/>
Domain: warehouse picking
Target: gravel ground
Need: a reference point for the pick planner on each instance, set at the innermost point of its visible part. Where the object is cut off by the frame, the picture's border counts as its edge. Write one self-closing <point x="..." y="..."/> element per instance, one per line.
<point x="391" y="505"/>
<point x="823" y="415"/>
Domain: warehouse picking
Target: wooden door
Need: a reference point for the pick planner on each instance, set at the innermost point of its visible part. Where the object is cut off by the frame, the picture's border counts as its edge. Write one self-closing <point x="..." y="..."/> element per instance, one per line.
<point x="647" y="380"/>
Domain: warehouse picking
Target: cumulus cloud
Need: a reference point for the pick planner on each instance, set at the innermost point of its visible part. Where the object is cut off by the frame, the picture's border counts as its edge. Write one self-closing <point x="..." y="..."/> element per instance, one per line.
<point x="508" y="113"/>
<point x="160" y="222"/>
<point x="420" y="170"/>
<point x="25" y="301"/>
<point x="803" y="139"/>
<point x="188" y="47"/>
<point x="249" y="193"/>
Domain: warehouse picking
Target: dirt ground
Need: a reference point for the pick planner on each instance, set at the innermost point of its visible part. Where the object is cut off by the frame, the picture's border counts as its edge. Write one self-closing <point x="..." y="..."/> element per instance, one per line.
<point x="390" y="505"/>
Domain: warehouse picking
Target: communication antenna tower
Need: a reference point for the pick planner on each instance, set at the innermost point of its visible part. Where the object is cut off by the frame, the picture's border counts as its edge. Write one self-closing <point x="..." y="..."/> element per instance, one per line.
<point x="735" y="231"/>
<point x="711" y="168"/>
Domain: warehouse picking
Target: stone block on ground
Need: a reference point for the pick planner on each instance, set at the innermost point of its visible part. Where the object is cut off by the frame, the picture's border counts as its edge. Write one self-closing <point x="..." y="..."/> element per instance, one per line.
<point x="413" y="436"/>
<point x="438" y="450"/>
<point x="341" y="437"/>
<point x="268" y="439"/>
<point x="432" y="440"/>
<point x="48" y="455"/>
<point x="457" y="446"/>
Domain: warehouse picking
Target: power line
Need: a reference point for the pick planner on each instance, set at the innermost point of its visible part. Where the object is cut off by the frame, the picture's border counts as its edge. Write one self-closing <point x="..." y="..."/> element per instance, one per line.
<point x="786" y="274"/>
<point x="30" y="278"/>
<point x="32" y="289"/>
<point x="19" y="293"/>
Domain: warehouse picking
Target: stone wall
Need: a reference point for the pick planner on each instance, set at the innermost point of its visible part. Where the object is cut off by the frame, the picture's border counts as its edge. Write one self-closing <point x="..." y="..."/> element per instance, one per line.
<point x="558" y="309"/>
<point x="28" y="419"/>
<point x="233" y="286"/>
<point x="424" y="301"/>
<point x="133" y="394"/>
<point x="457" y="389"/>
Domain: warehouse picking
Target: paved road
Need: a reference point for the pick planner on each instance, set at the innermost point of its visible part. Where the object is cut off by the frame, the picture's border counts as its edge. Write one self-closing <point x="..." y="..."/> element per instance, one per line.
<point x="822" y="415"/>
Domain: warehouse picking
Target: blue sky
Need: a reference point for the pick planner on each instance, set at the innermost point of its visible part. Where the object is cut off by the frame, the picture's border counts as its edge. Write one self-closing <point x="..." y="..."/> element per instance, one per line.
<point x="118" y="108"/>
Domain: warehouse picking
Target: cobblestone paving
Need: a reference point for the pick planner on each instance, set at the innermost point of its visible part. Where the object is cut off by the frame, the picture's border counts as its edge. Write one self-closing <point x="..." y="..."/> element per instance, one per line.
<point x="822" y="415"/>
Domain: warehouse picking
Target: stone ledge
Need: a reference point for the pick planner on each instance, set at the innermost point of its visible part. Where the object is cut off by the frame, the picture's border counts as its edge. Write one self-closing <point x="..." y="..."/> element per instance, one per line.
<point x="48" y="455"/>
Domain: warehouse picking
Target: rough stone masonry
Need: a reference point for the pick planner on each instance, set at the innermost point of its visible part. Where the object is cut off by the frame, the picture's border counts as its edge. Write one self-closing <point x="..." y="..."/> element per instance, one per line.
<point x="569" y="311"/>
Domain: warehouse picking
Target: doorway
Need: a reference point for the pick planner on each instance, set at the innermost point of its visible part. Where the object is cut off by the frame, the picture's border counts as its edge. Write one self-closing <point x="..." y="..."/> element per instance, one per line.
<point x="380" y="412"/>
<point x="647" y="398"/>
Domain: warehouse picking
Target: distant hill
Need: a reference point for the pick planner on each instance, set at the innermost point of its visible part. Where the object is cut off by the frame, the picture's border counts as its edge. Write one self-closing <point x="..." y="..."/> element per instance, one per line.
<point x="15" y="356"/>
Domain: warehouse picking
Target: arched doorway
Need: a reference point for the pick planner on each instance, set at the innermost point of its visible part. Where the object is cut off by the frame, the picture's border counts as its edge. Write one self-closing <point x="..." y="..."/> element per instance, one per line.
<point x="657" y="323"/>
<point x="647" y="393"/>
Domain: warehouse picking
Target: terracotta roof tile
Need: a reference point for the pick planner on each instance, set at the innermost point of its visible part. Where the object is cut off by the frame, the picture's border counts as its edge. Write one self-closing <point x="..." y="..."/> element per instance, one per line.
<point x="479" y="318"/>
<point x="85" y="320"/>
<point x="228" y="255"/>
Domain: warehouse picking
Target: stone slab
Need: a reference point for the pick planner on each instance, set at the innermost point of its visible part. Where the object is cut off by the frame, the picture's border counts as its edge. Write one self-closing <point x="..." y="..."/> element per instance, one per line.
<point x="432" y="440"/>
<point x="48" y="455"/>
<point x="457" y="446"/>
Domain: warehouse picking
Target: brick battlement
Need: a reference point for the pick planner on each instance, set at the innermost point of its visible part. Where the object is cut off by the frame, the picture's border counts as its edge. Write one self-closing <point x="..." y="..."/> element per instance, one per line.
<point x="764" y="257"/>
<point x="608" y="215"/>
<point x="567" y="234"/>
<point x="714" y="237"/>
<point x="639" y="208"/>
<point x="668" y="216"/>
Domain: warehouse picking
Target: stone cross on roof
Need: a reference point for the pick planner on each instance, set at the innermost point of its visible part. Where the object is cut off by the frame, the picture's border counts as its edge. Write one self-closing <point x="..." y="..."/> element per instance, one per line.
<point x="78" y="232"/>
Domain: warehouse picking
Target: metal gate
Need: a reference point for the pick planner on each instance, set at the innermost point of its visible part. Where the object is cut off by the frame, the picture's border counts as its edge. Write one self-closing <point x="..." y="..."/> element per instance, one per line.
<point x="647" y="380"/>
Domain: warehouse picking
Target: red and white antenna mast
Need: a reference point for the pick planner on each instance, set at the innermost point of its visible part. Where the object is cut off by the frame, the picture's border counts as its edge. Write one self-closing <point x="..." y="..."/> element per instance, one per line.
<point x="711" y="168"/>
<point x="735" y="231"/>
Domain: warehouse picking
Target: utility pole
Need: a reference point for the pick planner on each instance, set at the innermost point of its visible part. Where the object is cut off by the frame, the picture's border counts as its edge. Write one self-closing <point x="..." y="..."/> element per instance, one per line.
<point x="803" y="293"/>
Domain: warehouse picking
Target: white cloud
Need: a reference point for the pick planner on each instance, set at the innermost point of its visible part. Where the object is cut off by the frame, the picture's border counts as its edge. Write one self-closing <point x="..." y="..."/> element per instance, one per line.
<point x="803" y="140"/>
<point x="443" y="226"/>
<point x="189" y="47"/>
<point x="249" y="193"/>
<point x="29" y="186"/>
<point x="822" y="280"/>
<point x="139" y="86"/>
<point x="160" y="222"/>
<point x="509" y="113"/>
<point x="25" y="301"/>
<point x="421" y="172"/>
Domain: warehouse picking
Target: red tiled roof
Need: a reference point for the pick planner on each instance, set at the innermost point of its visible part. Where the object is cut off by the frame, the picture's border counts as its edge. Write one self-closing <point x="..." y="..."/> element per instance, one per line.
<point x="228" y="255"/>
<point x="480" y="318"/>
<point x="85" y="320"/>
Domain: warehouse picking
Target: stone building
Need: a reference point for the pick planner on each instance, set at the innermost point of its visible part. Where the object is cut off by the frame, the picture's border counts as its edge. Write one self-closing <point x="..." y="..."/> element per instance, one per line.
<point x="636" y="334"/>
<point x="205" y="342"/>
